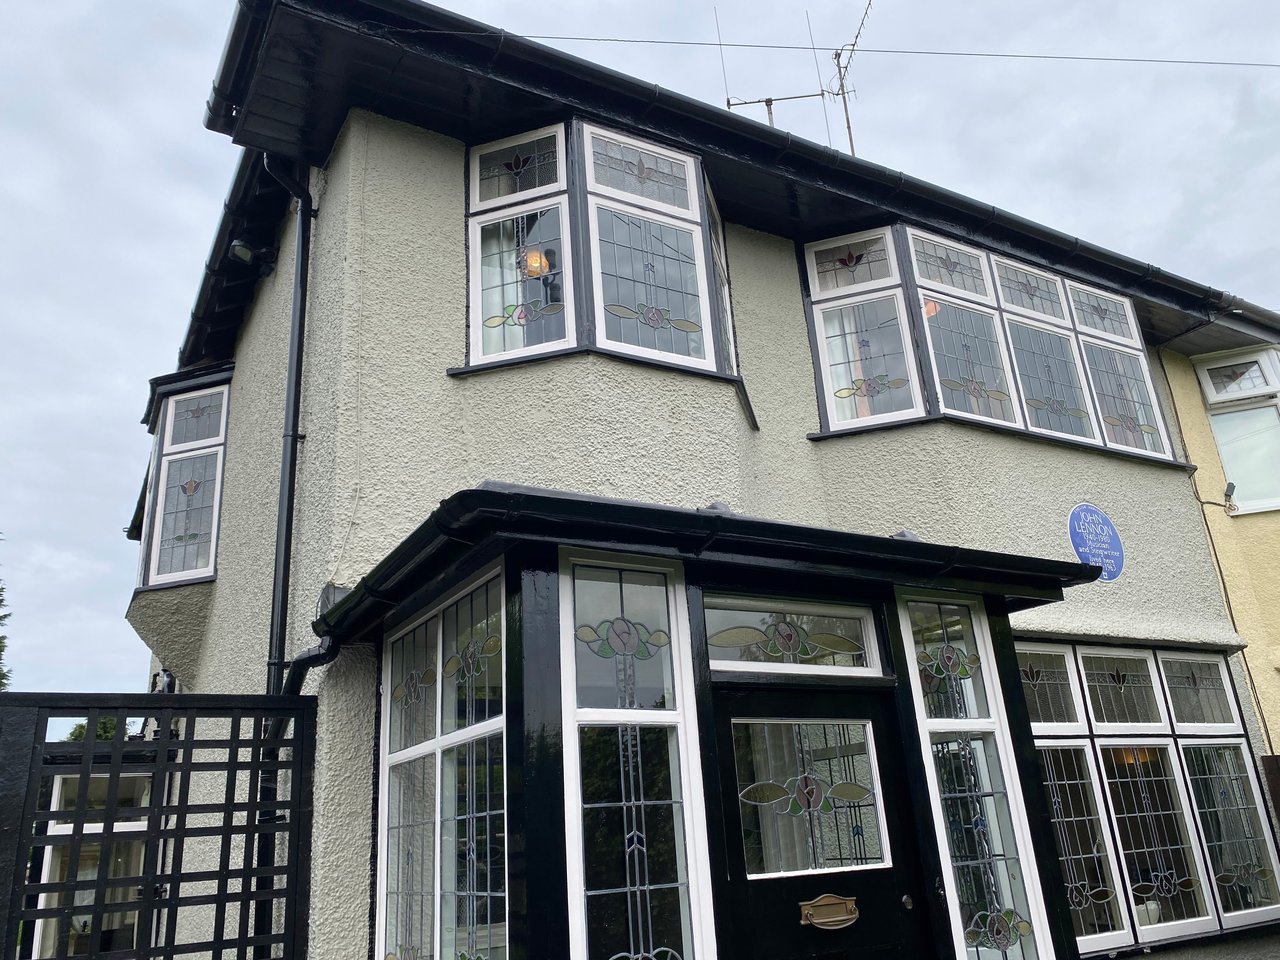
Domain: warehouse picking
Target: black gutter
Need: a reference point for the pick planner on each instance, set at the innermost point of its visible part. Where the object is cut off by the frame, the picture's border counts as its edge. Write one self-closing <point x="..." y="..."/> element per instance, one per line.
<point x="243" y="38"/>
<point x="292" y="412"/>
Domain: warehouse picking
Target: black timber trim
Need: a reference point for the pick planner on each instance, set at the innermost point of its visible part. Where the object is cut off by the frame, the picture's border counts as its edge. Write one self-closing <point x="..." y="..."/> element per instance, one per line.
<point x="183" y="381"/>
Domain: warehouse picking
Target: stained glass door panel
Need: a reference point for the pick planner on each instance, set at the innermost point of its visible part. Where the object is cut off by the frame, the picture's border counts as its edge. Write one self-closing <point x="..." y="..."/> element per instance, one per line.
<point x="815" y="804"/>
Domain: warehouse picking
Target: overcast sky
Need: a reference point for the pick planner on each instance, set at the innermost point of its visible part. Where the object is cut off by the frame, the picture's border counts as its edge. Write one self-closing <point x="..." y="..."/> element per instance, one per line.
<point x="110" y="190"/>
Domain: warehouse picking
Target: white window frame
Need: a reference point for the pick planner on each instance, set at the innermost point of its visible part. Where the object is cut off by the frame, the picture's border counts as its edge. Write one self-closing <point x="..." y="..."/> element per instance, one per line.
<point x="1081" y="726"/>
<point x="1124" y="936"/>
<point x="1006" y="354"/>
<point x="1157" y="689"/>
<point x="694" y="213"/>
<point x="720" y="264"/>
<point x="996" y="725"/>
<point x="157" y="518"/>
<point x="520" y="196"/>
<point x="478" y="357"/>
<point x="1172" y="928"/>
<point x="984" y="261"/>
<point x="1134" y="342"/>
<point x="1119" y="346"/>
<point x="1086" y="385"/>
<point x="171" y="408"/>
<point x="708" y="362"/>
<point x="437" y="746"/>
<point x="1257" y="403"/>
<point x="682" y="719"/>
<point x="916" y="410"/>
<point x="1021" y="311"/>
<point x="1268" y="360"/>
<point x="811" y="264"/>
<point x="881" y="825"/>
<point x="754" y="604"/>
<point x="1239" y="918"/>
<point x="1217" y="659"/>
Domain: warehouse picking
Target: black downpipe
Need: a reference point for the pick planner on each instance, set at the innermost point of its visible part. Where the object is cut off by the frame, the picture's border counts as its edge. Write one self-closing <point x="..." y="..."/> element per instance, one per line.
<point x="292" y="411"/>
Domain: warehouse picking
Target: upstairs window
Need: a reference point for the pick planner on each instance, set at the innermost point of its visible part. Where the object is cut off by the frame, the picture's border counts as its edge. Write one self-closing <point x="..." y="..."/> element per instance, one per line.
<point x="1243" y="393"/>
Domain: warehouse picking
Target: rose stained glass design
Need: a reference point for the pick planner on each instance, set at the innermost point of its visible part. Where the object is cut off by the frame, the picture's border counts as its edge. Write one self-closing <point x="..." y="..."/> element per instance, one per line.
<point x="1120" y="688"/>
<point x="412" y="676"/>
<point x="635" y="857"/>
<point x="866" y="360"/>
<point x="522" y="282"/>
<point x="623" y="639"/>
<point x="196" y="418"/>
<point x="1030" y="291"/>
<point x="471" y="658"/>
<point x="1105" y="314"/>
<point x="1153" y="833"/>
<point x="1239" y="856"/>
<point x="1078" y="831"/>
<point x="1051" y="388"/>
<point x="806" y="794"/>
<point x="1237" y="378"/>
<point x="950" y="670"/>
<point x="782" y="636"/>
<point x="1197" y="692"/>
<point x="950" y="266"/>
<point x="473" y="917"/>
<point x="969" y="361"/>
<point x="410" y="873"/>
<point x="850" y="264"/>
<point x="186" y="520"/>
<point x="1124" y="398"/>
<point x="518" y="168"/>
<point x="1046" y="685"/>
<point x="633" y="170"/>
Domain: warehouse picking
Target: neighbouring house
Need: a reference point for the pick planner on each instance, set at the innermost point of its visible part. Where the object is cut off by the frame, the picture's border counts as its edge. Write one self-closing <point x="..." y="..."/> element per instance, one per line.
<point x="700" y="542"/>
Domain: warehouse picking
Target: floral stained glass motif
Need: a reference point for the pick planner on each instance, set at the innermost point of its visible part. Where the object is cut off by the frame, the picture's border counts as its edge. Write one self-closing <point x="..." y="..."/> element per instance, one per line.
<point x="950" y="266"/>
<point x="517" y="168"/>
<point x="1051" y="388"/>
<point x="1237" y="378"/>
<point x="410" y="873"/>
<point x="623" y="639"/>
<point x="186" y="522"/>
<point x="1046" y="684"/>
<point x="950" y="669"/>
<point x="1102" y="313"/>
<point x="650" y="284"/>
<point x="851" y="264"/>
<point x="806" y="793"/>
<point x="1124" y="398"/>
<point x="473" y="852"/>
<point x="969" y="361"/>
<point x="782" y="636"/>
<point x="471" y="654"/>
<point x="196" y="418"/>
<point x="866" y="359"/>
<point x="522" y="283"/>
<point x="1197" y="692"/>
<point x="1120" y="688"/>
<point x="1030" y="291"/>
<point x="630" y="169"/>
<point x="412" y="675"/>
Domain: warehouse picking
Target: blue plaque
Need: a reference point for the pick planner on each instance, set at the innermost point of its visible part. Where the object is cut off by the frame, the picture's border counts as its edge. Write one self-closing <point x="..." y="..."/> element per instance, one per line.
<point x="1097" y="541"/>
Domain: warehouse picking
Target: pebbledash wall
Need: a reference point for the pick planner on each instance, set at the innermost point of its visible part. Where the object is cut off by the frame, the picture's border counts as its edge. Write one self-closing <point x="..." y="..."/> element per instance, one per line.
<point x="389" y="434"/>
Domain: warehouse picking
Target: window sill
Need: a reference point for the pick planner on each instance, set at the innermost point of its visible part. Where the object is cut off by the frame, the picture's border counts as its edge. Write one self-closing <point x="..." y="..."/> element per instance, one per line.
<point x="1009" y="431"/>
<point x="501" y="364"/>
<point x="1211" y="937"/>
<point x="170" y="584"/>
<point x="1267" y="506"/>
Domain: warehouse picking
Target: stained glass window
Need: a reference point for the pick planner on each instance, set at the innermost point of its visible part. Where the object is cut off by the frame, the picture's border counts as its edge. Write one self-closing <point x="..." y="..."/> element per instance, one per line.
<point x="1197" y="691"/>
<point x="196" y="418"/>
<point x="511" y="168"/>
<point x="1096" y="311"/>
<point x="412" y="682"/>
<point x="948" y="661"/>
<point x="410" y="872"/>
<point x="807" y="796"/>
<point x="471" y="658"/>
<point x="1125" y="403"/>
<point x="629" y="168"/>
<point x="1237" y="378"/>
<point x="185" y="535"/>
<point x="1121" y="689"/>
<point x="473" y="842"/>
<point x="522" y="281"/>
<point x="969" y="361"/>
<point x="857" y="261"/>
<point x="1052" y="392"/>
<point x="623" y="639"/>
<point x="650" y="284"/>
<point x="1046" y="684"/>
<point x="1030" y="291"/>
<point x="868" y="367"/>
<point x="950" y="266"/>
<point x="770" y="634"/>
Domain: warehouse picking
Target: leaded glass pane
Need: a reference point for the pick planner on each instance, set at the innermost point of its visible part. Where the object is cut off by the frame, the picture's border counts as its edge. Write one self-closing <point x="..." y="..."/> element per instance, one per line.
<point x="473" y="845"/>
<point x="1124" y="400"/>
<point x="1046" y="684"/>
<point x="806" y="792"/>
<point x="848" y="264"/>
<point x="522" y="281"/>
<point x="186" y="514"/>
<point x="1086" y="865"/>
<point x="866" y="360"/>
<point x="634" y="848"/>
<point x="1120" y="688"/>
<point x="969" y="362"/>
<point x="1030" y="291"/>
<point x="410" y="864"/>
<point x="471" y="655"/>
<point x="124" y="872"/>
<point x="412" y="676"/>
<point x="649" y="284"/>
<point x="949" y="266"/>
<point x="951" y="675"/>
<point x="1098" y="312"/>
<point x="989" y="878"/>
<point x="1249" y="443"/>
<point x="1237" y="378"/>
<point x="196" y="418"/>
<point x="517" y="168"/>
<point x="1197" y="693"/>
<point x="1153" y="834"/>
<point x="1238" y="853"/>
<point x="1052" y="393"/>
<point x="783" y="635"/>
<point x="623" y="639"/>
<point x="621" y="166"/>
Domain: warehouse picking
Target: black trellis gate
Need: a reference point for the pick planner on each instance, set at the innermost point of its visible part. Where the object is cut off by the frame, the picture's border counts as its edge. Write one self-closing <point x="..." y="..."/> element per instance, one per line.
<point x="179" y="826"/>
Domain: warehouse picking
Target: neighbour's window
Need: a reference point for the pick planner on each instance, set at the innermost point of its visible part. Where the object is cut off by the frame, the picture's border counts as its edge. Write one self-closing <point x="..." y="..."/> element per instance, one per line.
<point x="187" y="485"/>
<point x="1154" y="798"/>
<point x="1243" y="392"/>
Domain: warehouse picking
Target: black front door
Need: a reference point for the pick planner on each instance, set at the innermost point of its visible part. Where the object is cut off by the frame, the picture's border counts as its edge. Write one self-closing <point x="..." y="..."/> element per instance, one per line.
<point x="821" y="852"/>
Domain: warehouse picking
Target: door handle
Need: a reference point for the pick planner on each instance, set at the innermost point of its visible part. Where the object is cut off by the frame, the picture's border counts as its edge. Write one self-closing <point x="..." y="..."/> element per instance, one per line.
<point x="829" y="912"/>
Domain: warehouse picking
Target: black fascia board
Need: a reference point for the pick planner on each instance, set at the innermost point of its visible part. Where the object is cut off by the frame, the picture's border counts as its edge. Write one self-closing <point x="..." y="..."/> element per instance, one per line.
<point x="196" y="378"/>
<point x="475" y="518"/>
